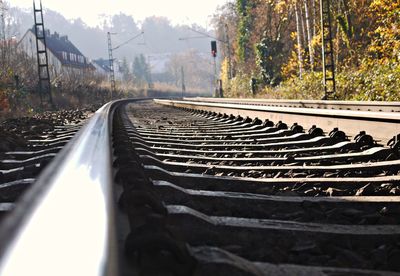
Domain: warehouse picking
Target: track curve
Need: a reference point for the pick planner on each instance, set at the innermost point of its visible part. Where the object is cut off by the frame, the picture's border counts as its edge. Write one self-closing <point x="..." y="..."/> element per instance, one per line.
<point x="171" y="188"/>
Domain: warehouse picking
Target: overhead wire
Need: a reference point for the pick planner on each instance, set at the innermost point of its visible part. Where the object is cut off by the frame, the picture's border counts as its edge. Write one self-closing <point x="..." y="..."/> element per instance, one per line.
<point x="129" y="40"/>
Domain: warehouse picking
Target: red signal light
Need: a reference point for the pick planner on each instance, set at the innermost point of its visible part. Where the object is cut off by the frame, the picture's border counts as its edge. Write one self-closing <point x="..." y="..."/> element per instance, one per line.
<point x="214" y="48"/>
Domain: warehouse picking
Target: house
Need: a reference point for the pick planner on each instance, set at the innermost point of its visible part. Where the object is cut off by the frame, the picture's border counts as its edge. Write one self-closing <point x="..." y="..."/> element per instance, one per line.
<point x="103" y="67"/>
<point x="64" y="57"/>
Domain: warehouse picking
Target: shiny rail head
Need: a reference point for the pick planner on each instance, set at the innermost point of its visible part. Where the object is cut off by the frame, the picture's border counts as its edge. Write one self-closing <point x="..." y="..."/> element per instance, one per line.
<point x="64" y="225"/>
<point x="374" y="106"/>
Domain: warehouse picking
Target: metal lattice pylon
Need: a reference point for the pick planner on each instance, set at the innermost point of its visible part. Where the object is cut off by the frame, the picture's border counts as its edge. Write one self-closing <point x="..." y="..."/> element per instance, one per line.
<point x="111" y="59"/>
<point x="42" y="57"/>
<point x="328" y="63"/>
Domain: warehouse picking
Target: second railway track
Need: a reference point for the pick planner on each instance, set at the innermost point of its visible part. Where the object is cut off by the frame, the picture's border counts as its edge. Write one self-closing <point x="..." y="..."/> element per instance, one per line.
<point x="201" y="192"/>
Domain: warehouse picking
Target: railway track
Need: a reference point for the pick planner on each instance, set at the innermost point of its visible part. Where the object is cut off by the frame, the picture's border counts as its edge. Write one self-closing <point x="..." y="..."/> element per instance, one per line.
<point x="28" y="145"/>
<point x="188" y="188"/>
<point x="318" y="104"/>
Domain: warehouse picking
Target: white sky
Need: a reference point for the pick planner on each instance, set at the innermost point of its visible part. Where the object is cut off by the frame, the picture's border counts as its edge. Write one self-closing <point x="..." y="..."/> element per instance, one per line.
<point x="178" y="11"/>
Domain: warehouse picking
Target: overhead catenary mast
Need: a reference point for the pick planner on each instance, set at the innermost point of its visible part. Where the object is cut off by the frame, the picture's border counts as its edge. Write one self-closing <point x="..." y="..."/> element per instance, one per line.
<point x="111" y="58"/>
<point x="328" y="63"/>
<point x="42" y="58"/>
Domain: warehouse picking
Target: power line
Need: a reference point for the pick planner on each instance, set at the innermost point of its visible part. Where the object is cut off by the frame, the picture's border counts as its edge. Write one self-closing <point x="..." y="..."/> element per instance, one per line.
<point x="191" y="37"/>
<point x="207" y="35"/>
<point x="111" y="58"/>
<point x="129" y="40"/>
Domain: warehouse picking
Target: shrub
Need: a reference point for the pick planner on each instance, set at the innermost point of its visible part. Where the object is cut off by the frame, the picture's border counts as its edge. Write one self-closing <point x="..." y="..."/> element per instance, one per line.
<point x="375" y="82"/>
<point x="309" y="87"/>
<point x="378" y="82"/>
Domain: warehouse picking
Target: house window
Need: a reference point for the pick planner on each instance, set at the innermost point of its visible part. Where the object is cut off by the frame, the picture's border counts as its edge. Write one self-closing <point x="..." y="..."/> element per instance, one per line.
<point x="64" y="55"/>
<point x="72" y="57"/>
<point x="81" y="59"/>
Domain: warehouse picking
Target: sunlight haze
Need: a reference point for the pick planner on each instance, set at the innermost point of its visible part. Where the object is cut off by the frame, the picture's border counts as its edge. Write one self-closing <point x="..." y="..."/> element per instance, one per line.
<point x="178" y="11"/>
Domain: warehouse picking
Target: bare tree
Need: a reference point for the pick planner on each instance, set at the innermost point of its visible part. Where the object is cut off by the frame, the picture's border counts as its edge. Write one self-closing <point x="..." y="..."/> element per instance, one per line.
<point x="299" y="44"/>
<point x="303" y="28"/>
<point x="309" y="36"/>
<point x="314" y="18"/>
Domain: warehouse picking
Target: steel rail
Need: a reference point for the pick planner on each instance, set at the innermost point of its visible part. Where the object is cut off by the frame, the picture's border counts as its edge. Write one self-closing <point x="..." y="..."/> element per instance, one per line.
<point x="381" y="125"/>
<point x="65" y="224"/>
<point x="344" y="105"/>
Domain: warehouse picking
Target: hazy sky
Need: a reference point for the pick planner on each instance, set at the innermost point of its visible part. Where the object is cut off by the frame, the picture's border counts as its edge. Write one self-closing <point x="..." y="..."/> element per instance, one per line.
<point x="178" y="11"/>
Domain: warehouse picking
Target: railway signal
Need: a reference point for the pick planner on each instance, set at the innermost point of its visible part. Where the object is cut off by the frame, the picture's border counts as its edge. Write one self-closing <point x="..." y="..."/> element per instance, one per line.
<point x="226" y="41"/>
<point x="214" y="48"/>
<point x="214" y="52"/>
<point x="214" y="55"/>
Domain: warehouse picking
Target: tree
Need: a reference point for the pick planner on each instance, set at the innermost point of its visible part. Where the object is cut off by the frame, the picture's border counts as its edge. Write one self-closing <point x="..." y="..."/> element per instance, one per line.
<point x="267" y="50"/>
<point x="197" y="68"/>
<point x="244" y="29"/>
<point x="386" y="36"/>
<point x="299" y="41"/>
<point x="141" y="71"/>
<point x="309" y="35"/>
<point x="124" y="68"/>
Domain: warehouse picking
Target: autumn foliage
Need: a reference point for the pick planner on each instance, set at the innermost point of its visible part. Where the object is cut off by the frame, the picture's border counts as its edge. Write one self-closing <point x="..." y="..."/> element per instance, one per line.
<point x="278" y="43"/>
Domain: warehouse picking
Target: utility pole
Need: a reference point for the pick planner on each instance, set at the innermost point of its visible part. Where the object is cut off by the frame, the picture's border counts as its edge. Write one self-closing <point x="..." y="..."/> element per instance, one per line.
<point x="183" y="82"/>
<point x="111" y="60"/>
<point x="328" y="64"/>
